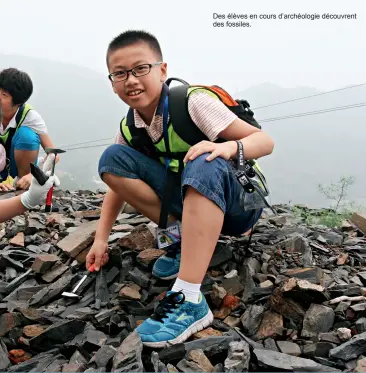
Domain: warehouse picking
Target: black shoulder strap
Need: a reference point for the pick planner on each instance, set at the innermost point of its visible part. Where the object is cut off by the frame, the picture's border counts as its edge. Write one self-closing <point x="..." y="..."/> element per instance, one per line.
<point x="19" y="114"/>
<point x="140" y="140"/>
<point x="11" y="131"/>
<point x="180" y="118"/>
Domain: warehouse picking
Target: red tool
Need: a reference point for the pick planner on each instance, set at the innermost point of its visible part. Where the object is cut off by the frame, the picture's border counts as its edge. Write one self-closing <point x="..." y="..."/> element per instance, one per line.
<point x="48" y="207"/>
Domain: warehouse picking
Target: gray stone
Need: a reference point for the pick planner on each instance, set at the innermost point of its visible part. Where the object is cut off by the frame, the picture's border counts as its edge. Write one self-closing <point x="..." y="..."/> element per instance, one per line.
<point x="57" y="334"/>
<point x="318" y="319"/>
<point x="90" y="340"/>
<point x="18" y="281"/>
<point x="73" y="367"/>
<point x="77" y="358"/>
<point x="289" y="348"/>
<point x="333" y="238"/>
<point x="57" y="270"/>
<point x="210" y="345"/>
<point x="320" y="349"/>
<point x="4" y="360"/>
<point x="253" y="265"/>
<point x="361" y="325"/>
<point x="221" y="255"/>
<point x="158" y="365"/>
<point x="329" y="337"/>
<point x="139" y="278"/>
<point x="128" y="355"/>
<point x="238" y="357"/>
<point x="50" y="292"/>
<point x="251" y="319"/>
<point x="299" y="244"/>
<point x="350" y="349"/>
<point x="278" y="360"/>
<point x="189" y="366"/>
<point x="103" y="356"/>
<point x="198" y="357"/>
<point x="270" y="344"/>
<point x="37" y="363"/>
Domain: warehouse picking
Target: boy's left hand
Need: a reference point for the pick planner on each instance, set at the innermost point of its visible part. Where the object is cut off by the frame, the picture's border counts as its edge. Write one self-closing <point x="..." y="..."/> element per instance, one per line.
<point x="224" y="150"/>
<point x="24" y="182"/>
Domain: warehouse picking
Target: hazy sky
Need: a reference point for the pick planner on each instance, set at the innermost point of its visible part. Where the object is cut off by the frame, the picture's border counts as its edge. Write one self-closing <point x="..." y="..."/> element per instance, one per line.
<point x="325" y="54"/>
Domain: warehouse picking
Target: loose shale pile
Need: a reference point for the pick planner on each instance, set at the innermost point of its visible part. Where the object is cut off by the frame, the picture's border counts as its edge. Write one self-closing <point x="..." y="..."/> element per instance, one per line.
<point x="294" y="300"/>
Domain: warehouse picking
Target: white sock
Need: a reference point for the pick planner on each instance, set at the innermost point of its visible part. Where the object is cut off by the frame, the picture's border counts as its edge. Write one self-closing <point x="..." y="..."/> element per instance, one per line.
<point x="191" y="291"/>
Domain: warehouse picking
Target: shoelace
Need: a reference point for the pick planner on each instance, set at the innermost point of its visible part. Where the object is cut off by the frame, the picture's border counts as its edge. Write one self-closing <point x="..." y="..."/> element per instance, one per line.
<point x="173" y="250"/>
<point x="167" y="304"/>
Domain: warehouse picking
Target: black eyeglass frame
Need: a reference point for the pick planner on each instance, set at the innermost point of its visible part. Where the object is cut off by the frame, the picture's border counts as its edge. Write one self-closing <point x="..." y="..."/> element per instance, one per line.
<point x="112" y="76"/>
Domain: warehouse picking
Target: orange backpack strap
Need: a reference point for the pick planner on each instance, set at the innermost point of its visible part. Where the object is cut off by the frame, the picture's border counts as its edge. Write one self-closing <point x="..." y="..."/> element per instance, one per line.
<point x="224" y="96"/>
<point x="239" y="107"/>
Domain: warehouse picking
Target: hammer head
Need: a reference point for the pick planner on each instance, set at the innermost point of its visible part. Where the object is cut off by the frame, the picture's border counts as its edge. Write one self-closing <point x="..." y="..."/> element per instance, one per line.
<point x="69" y="295"/>
<point x="54" y="151"/>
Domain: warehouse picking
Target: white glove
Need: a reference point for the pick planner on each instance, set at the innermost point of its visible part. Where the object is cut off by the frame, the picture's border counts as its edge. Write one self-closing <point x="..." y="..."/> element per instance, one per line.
<point x="46" y="164"/>
<point x="37" y="193"/>
<point x="43" y="163"/>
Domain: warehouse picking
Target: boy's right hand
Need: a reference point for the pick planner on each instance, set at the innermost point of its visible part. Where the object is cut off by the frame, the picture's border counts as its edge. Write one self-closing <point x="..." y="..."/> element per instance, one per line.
<point x="98" y="255"/>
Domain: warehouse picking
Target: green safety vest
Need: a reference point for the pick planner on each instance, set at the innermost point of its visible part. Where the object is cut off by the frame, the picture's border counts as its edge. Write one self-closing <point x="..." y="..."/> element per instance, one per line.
<point x="181" y="133"/>
<point x="7" y="137"/>
<point x="178" y="146"/>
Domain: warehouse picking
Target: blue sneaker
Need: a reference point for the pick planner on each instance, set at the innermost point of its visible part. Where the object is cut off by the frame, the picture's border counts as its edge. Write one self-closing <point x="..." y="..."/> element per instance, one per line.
<point x="167" y="266"/>
<point x="175" y="320"/>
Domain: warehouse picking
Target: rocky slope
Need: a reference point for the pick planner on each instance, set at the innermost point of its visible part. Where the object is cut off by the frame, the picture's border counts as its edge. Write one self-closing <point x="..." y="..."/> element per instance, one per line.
<point x="293" y="299"/>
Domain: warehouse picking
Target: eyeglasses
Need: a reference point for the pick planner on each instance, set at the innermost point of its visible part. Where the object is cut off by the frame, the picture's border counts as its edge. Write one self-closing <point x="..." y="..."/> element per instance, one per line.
<point x="141" y="70"/>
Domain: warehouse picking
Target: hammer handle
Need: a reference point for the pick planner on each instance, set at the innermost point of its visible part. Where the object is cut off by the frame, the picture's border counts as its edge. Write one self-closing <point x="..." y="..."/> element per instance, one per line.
<point x="48" y="206"/>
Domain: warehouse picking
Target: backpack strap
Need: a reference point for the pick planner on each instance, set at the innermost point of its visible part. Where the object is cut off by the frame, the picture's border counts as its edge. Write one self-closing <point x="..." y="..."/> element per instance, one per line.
<point x="182" y="121"/>
<point x="183" y="124"/>
<point x="19" y="115"/>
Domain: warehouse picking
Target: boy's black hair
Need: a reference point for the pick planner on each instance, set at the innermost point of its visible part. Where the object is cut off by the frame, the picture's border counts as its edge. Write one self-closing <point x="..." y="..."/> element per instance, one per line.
<point x="17" y="83"/>
<point x="131" y="37"/>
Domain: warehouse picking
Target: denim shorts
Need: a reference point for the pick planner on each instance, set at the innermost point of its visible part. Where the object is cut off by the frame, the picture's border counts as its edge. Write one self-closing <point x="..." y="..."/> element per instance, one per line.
<point x="215" y="180"/>
<point x="24" y="139"/>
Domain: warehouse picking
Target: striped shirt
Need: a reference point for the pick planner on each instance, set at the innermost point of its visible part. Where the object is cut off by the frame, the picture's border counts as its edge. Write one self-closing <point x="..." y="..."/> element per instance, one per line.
<point x="210" y="115"/>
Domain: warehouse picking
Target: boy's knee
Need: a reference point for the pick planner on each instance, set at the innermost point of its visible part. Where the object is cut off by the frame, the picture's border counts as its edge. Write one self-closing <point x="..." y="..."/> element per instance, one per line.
<point x="109" y="154"/>
<point x="26" y="139"/>
<point x="108" y="157"/>
<point x="199" y="168"/>
<point x="118" y="160"/>
<point x="210" y="178"/>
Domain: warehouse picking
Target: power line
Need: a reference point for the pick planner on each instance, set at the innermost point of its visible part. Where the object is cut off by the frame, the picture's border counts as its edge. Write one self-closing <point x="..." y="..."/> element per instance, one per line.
<point x="90" y="146"/>
<point x="309" y="113"/>
<point x="313" y="112"/>
<point x="304" y="97"/>
<point x="87" y="142"/>
<point x="64" y="147"/>
<point x="260" y="107"/>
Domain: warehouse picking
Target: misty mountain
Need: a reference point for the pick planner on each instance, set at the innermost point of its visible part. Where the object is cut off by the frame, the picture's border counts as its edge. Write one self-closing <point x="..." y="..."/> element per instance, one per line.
<point x="78" y="105"/>
<point x="312" y="149"/>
